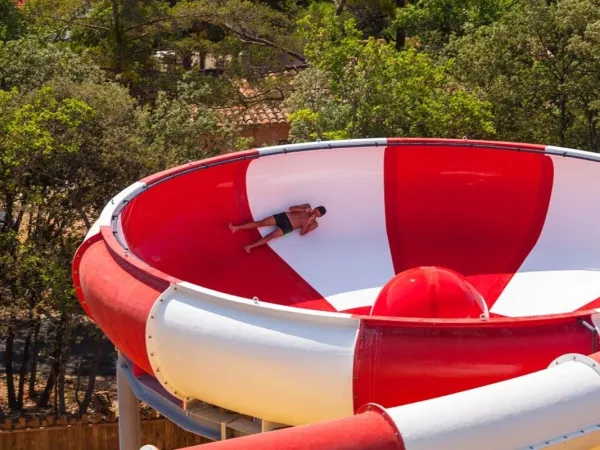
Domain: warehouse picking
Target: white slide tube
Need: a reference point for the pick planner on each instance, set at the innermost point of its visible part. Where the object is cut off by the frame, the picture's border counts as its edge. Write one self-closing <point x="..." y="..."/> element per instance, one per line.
<point x="557" y="406"/>
<point x="272" y="362"/>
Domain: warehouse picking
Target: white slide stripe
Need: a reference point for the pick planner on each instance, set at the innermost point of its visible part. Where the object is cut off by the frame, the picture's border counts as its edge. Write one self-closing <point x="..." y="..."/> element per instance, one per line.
<point x="562" y="272"/>
<point x="349" y="251"/>
<point x="269" y="361"/>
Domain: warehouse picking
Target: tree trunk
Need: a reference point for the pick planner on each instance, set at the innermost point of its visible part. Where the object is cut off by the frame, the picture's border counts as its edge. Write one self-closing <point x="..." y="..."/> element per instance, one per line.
<point x="8" y="210"/>
<point x="340" y="7"/>
<point x="87" y="398"/>
<point x="592" y="134"/>
<point x="47" y="392"/>
<point x="56" y="398"/>
<point x="187" y="61"/>
<point x="61" y="389"/>
<point x="8" y="362"/>
<point x="34" y="359"/>
<point x="64" y="360"/>
<point x="24" y="362"/>
<point x="118" y="50"/>
<point x="55" y="365"/>
<point x="563" y="120"/>
<point x="400" y="32"/>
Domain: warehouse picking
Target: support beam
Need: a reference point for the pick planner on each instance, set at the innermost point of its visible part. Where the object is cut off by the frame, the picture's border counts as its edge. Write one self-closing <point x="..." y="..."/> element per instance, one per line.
<point x="129" y="411"/>
<point x="270" y="426"/>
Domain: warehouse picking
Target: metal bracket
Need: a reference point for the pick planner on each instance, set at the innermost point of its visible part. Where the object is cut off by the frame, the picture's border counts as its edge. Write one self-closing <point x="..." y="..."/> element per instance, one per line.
<point x="594" y="331"/>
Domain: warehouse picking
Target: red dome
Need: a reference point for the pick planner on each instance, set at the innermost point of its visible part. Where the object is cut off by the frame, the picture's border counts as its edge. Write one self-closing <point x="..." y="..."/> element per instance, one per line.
<point x="428" y="292"/>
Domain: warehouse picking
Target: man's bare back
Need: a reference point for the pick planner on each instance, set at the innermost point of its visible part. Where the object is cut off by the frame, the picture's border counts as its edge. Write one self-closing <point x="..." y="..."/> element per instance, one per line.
<point x="302" y="217"/>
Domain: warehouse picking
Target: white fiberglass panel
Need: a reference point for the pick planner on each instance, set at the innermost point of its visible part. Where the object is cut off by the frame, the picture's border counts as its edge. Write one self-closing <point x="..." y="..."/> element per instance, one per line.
<point x="264" y="360"/>
<point x="514" y="414"/>
<point x="349" y="251"/>
<point x="562" y="272"/>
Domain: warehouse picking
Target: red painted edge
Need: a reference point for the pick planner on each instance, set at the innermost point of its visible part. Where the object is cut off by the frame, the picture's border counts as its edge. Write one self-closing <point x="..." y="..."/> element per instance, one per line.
<point x="75" y="271"/>
<point x="371" y="430"/>
<point x="515" y="145"/>
<point x="375" y="407"/>
<point x="497" y="322"/>
<point x="155" y="178"/>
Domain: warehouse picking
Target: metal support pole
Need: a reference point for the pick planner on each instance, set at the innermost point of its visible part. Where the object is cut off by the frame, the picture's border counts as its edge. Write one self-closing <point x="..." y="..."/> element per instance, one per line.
<point x="129" y="411"/>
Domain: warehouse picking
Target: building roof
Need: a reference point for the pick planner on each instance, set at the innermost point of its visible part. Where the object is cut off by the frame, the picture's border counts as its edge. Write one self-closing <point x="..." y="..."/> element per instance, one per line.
<point x="264" y="108"/>
<point x="259" y="114"/>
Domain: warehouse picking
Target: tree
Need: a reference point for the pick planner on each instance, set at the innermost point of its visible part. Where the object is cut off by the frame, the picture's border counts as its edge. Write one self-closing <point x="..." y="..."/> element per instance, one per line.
<point x="30" y="62"/>
<point x="148" y="45"/>
<point x="36" y="133"/>
<point x="356" y="89"/>
<point x="11" y="21"/>
<point x="70" y="139"/>
<point x="183" y="129"/>
<point x="432" y="22"/>
<point x="538" y="66"/>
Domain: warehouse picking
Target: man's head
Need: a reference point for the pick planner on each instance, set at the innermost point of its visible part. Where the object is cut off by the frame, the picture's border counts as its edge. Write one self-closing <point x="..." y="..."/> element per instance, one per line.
<point x="321" y="211"/>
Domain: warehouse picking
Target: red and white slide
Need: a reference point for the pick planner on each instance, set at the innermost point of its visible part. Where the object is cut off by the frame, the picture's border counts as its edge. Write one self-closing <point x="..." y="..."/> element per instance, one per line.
<point x="435" y="300"/>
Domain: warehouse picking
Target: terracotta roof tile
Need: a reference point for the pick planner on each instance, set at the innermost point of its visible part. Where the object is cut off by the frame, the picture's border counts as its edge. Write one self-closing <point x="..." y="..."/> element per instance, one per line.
<point x="267" y="112"/>
<point x="259" y="114"/>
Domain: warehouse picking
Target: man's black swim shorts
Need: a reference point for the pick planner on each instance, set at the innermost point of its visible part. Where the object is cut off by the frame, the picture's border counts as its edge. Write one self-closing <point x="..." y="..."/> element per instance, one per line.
<point x="283" y="222"/>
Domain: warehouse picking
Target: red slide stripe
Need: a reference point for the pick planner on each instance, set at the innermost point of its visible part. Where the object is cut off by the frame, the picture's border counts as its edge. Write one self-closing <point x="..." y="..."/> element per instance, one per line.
<point x="366" y="431"/>
<point x="398" y="362"/>
<point x="181" y="227"/>
<point x="594" y="304"/>
<point x="119" y="297"/>
<point x="477" y="211"/>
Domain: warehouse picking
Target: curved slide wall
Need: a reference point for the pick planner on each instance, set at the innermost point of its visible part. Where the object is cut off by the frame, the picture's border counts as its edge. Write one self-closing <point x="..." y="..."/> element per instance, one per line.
<point x="390" y="208"/>
<point x="173" y="227"/>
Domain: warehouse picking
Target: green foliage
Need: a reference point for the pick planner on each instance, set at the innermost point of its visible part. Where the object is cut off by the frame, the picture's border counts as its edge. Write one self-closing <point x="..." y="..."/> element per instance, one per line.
<point x="148" y="45"/>
<point x="30" y="62"/>
<point x="36" y="131"/>
<point x="433" y="22"/>
<point x="39" y="134"/>
<point x="373" y="17"/>
<point x="11" y="21"/>
<point x="179" y="130"/>
<point x="357" y="89"/>
<point x="539" y="68"/>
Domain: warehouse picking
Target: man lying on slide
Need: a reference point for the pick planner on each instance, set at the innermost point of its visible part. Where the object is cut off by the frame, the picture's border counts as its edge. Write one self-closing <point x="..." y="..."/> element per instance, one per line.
<point x="299" y="216"/>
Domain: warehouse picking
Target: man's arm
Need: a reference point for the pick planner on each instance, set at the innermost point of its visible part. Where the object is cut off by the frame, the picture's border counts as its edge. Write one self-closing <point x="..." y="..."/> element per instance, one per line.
<point x="305" y="207"/>
<point x="309" y="226"/>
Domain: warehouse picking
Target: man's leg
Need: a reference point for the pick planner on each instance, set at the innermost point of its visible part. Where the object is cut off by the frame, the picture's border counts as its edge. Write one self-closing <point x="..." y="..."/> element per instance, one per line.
<point x="266" y="222"/>
<point x="275" y="234"/>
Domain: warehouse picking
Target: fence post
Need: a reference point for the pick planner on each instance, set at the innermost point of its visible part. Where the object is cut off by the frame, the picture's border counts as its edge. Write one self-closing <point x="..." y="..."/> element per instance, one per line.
<point x="129" y="411"/>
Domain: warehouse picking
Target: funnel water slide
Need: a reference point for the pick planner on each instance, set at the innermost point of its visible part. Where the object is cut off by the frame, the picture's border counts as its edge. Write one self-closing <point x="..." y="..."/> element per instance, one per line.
<point x="440" y="267"/>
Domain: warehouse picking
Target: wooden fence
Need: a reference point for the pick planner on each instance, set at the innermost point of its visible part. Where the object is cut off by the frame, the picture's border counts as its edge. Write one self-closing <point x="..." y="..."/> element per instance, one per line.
<point x="89" y="434"/>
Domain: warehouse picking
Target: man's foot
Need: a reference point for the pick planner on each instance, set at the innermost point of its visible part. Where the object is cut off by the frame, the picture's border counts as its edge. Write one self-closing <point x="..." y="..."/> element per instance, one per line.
<point x="233" y="228"/>
<point x="247" y="248"/>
